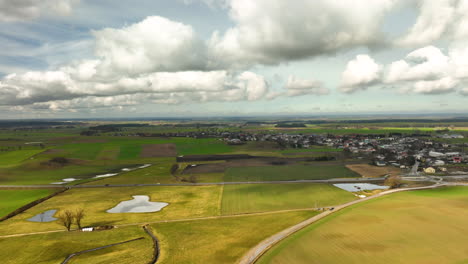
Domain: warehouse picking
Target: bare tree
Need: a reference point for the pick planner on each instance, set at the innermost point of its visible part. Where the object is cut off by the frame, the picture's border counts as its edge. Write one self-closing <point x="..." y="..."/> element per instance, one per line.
<point x="79" y="215"/>
<point x="393" y="181"/>
<point x="66" y="218"/>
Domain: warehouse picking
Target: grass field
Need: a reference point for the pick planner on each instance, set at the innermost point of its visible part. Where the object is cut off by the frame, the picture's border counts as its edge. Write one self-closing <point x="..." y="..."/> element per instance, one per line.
<point x="158" y="172"/>
<point x="11" y="200"/>
<point x="55" y="247"/>
<point x="184" y="202"/>
<point x="191" y="146"/>
<point x="294" y="172"/>
<point x="220" y="240"/>
<point x="412" y="227"/>
<point x="14" y="158"/>
<point x="317" y="149"/>
<point x="247" y="198"/>
<point x="35" y="173"/>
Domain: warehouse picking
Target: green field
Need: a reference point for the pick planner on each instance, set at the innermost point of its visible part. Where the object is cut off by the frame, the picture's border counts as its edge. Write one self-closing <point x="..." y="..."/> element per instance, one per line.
<point x="248" y="198"/>
<point x="13" y="158"/>
<point x="184" y="202"/>
<point x="283" y="173"/>
<point x="158" y="172"/>
<point x="412" y="227"/>
<point x="55" y="247"/>
<point x="222" y="240"/>
<point x="11" y="200"/>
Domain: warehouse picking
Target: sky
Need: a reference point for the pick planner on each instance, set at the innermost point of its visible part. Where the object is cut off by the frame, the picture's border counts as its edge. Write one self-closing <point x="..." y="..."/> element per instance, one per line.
<point x="183" y="58"/>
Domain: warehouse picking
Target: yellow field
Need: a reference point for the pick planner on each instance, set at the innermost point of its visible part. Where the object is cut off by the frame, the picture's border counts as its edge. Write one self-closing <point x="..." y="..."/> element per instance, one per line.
<point x="427" y="227"/>
<point x="220" y="240"/>
<point x="184" y="202"/>
<point x="55" y="247"/>
<point x="369" y="171"/>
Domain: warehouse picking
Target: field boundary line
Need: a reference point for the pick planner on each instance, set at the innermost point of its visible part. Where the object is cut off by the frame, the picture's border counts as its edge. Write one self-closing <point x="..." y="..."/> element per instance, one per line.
<point x="220" y="202"/>
<point x="98" y="248"/>
<point x="218" y="217"/>
<point x="260" y="249"/>
<point x="156" y="249"/>
<point x="174" y="220"/>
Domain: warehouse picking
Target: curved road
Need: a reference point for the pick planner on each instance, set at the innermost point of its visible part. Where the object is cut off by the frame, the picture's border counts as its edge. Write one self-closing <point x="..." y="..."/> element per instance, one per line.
<point x="255" y="253"/>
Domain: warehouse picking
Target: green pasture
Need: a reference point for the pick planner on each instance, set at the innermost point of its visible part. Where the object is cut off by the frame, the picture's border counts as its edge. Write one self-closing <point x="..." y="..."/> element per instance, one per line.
<point x="14" y="158"/>
<point x="248" y="198"/>
<point x="158" y="172"/>
<point x="427" y="226"/>
<point x="10" y="200"/>
<point x="289" y="172"/>
<point x="35" y="173"/>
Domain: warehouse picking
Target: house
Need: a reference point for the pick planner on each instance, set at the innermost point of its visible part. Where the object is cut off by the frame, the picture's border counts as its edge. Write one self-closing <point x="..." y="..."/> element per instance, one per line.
<point x="380" y="163"/>
<point x="429" y="170"/>
<point x="436" y="154"/>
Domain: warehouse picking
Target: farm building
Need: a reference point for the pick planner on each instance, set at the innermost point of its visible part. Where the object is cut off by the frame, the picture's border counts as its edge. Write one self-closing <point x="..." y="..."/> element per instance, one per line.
<point x="429" y="170"/>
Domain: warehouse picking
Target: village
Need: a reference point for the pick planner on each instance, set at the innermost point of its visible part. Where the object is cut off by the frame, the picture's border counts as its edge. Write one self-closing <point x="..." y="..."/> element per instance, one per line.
<point x="431" y="153"/>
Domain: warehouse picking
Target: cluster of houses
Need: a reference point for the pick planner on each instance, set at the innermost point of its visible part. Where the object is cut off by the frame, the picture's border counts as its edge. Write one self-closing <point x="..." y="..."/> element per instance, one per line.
<point x="403" y="151"/>
<point x="394" y="149"/>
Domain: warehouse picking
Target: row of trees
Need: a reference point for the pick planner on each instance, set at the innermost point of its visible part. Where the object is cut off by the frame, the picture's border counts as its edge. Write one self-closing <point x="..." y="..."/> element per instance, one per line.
<point x="68" y="217"/>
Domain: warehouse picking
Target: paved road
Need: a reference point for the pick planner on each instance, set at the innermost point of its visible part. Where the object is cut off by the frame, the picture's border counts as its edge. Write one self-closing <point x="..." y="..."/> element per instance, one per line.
<point x="340" y="180"/>
<point x="255" y="253"/>
<point x="331" y="181"/>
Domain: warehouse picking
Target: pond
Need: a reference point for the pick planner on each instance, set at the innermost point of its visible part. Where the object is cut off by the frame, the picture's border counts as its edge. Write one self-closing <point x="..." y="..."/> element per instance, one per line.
<point x="356" y="187"/>
<point x="139" y="204"/>
<point x="47" y="216"/>
<point x="106" y="175"/>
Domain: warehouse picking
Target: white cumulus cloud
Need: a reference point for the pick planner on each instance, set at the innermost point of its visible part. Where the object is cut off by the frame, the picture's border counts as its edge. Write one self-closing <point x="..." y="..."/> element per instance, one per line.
<point x="298" y="87"/>
<point x="21" y="10"/>
<point x="360" y="73"/>
<point x="274" y="31"/>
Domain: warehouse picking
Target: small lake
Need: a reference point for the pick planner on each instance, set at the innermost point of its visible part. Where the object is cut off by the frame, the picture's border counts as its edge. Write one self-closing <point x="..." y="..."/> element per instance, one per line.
<point x="356" y="187"/>
<point x="47" y="216"/>
<point x="139" y="204"/>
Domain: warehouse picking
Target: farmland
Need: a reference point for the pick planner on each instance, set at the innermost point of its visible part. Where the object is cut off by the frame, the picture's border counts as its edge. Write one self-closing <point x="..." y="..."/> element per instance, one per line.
<point x="217" y="191"/>
<point x="11" y="200"/>
<point x="55" y="247"/>
<point x="184" y="202"/>
<point x="369" y="171"/>
<point x="222" y="240"/>
<point x="283" y="173"/>
<point x="12" y="158"/>
<point x="401" y="228"/>
<point x="248" y="198"/>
